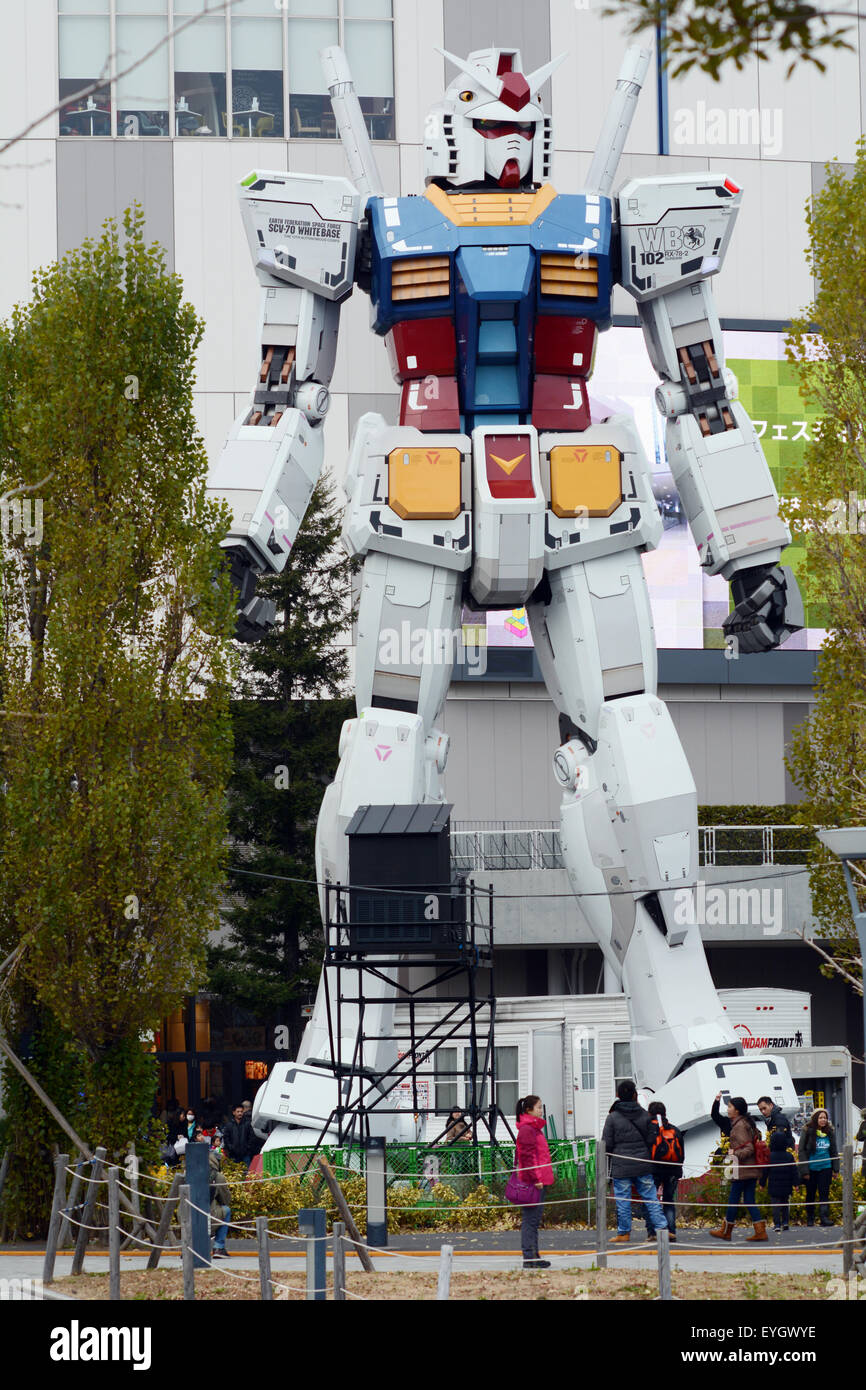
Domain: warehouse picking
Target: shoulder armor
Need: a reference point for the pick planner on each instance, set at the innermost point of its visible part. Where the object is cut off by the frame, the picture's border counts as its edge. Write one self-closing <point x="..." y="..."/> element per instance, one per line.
<point x="674" y="231"/>
<point x="302" y="230"/>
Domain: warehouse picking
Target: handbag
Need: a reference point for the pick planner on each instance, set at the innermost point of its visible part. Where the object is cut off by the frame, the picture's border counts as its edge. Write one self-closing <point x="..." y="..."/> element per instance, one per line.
<point x="520" y="1193"/>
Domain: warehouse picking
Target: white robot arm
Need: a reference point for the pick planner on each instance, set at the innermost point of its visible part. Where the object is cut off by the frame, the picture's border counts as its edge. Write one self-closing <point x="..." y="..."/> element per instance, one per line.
<point x="674" y="234"/>
<point x="303" y="235"/>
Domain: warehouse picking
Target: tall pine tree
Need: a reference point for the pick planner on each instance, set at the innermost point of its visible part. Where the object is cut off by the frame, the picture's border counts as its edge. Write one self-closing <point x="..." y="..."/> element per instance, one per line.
<point x="286" y="729"/>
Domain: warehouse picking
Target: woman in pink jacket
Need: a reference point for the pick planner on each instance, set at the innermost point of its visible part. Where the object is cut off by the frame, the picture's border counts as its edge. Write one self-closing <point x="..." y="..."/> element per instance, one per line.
<point x="532" y="1160"/>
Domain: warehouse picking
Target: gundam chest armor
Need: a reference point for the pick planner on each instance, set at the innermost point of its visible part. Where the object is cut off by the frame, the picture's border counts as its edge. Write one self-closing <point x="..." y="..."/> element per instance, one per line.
<point x="491" y="302"/>
<point x="497" y="489"/>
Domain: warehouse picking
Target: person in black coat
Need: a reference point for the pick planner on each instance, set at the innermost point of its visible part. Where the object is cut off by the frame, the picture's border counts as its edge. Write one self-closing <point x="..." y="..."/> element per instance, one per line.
<point x="628" y="1134"/>
<point x="236" y="1137"/>
<point x="718" y="1118"/>
<point x="780" y="1175"/>
<point x="774" y="1119"/>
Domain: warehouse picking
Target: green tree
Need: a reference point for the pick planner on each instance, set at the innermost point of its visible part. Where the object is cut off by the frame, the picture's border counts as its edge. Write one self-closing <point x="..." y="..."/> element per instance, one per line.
<point x="115" y="668"/>
<point x="286" y="730"/>
<point x="828" y="755"/>
<point x="708" y="34"/>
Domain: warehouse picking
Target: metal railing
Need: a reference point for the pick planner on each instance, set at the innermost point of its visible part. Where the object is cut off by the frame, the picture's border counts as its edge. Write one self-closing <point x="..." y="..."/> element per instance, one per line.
<point x="491" y="846"/>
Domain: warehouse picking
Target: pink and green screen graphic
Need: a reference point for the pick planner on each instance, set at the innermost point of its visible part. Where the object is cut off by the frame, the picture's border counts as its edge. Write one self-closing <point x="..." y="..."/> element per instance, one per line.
<point x="688" y="607"/>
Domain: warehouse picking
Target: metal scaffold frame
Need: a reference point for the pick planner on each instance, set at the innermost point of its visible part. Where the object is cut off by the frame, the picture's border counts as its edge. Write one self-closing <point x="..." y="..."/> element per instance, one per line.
<point x="468" y="948"/>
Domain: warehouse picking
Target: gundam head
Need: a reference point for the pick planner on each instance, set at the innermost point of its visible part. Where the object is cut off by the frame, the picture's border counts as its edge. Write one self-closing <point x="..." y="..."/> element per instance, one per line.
<point x="490" y="128"/>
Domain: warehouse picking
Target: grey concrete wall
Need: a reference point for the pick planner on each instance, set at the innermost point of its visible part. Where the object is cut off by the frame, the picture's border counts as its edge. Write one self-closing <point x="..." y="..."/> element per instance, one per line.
<point x="535" y="907"/>
<point x="503" y="738"/>
<point x="97" y="179"/>
<point x="485" y="23"/>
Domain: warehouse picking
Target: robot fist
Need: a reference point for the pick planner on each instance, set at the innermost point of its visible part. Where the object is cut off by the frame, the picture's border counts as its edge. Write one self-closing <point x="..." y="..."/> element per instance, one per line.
<point x="256" y="616"/>
<point x="768" y="608"/>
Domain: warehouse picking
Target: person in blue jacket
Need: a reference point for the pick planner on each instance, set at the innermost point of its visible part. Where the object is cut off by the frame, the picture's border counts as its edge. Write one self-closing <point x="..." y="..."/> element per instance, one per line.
<point x="819" y="1160"/>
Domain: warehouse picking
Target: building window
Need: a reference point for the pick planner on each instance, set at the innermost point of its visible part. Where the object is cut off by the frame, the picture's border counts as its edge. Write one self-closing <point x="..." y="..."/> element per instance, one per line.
<point x="370" y="51"/>
<point x="141" y="95"/>
<point x="622" y="1063"/>
<point x="445" y="1077"/>
<point x="456" y="1090"/>
<point x="587" y="1064"/>
<point x="84" y="42"/>
<point x="251" y="59"/>
<point x="365" y="30"/>
<point x="200" y="77"/>
<point x="507" y="1079"/>
<point x="481" y="1101"/>
<point x="257" y="70"/>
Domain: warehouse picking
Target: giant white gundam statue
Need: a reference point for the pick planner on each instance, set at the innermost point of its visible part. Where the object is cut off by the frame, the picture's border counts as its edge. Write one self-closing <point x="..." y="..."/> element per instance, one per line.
<point x="490" y="290"/>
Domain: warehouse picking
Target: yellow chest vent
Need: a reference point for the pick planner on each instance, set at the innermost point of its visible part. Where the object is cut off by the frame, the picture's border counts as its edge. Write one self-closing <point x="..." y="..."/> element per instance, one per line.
<point x="575" y="277"/>
<point x="421" y="277"/>
<point x="494" y="208"/>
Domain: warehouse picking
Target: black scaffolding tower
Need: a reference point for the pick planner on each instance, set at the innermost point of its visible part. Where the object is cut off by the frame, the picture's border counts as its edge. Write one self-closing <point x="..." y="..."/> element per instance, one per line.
<point x="404" y="920"/>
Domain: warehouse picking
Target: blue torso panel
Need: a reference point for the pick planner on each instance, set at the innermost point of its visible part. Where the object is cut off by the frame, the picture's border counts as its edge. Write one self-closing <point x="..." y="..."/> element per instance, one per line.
<point x="495" y="283"/>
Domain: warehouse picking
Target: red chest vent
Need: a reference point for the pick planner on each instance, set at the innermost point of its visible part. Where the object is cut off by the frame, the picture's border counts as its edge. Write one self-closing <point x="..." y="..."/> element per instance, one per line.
<point x="508" y="458"/>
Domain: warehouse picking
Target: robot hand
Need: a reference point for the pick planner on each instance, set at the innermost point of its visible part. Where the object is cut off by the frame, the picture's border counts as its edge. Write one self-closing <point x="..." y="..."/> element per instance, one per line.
<point x="768" y="608"/>
<point x="256" y="616"/>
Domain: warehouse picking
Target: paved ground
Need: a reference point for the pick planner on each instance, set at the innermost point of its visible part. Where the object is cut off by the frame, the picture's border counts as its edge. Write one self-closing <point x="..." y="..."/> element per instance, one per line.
<point x="800" y="1251"/>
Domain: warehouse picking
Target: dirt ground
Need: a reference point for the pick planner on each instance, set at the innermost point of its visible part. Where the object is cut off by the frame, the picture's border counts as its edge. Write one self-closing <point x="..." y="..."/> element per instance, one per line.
<point x="484" y="1286"/>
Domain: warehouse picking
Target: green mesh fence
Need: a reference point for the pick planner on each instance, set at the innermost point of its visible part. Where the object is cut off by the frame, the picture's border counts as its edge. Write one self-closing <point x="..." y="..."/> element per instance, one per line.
<point x="460" y="1167"/>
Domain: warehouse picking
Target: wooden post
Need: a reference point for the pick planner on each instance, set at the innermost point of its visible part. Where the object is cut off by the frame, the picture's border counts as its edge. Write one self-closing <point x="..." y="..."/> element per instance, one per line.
<point x="343" y="1207"/>
<point x="847" y="1210"/>
<point x="60" y="1163"/>
<point x="164" y="1226"/>
<point x="83" y="1233"/>
<point x="339" y="1262"/>
<point x="664" y="1256"/>
<point x="66" y="1232"/>
<point x="601" y="1204"/>
<point x="264" y="1258"/>
<point x="186" y="1250"/>
<point x="443" y="1286"/>
<point x="113" y="1235"/>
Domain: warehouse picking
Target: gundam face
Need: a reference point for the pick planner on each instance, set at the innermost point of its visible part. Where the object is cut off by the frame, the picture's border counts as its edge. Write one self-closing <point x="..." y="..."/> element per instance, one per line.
<point x="507" y="151"/>
<point x="490" y="127"/>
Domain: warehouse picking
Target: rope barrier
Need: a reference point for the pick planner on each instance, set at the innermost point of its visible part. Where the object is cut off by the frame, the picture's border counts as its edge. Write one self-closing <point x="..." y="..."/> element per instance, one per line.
<point x="245" y="1228"/>
<point x="83" y="1224"/>
<point x="150" y="1197"/>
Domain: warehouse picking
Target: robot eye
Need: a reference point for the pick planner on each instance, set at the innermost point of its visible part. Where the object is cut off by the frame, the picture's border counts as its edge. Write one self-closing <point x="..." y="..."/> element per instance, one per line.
<point x="467" y="96"/>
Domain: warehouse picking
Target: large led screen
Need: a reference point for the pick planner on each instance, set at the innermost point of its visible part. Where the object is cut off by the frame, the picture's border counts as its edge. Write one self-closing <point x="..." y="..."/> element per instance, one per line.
<point x="688" y="607"/>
